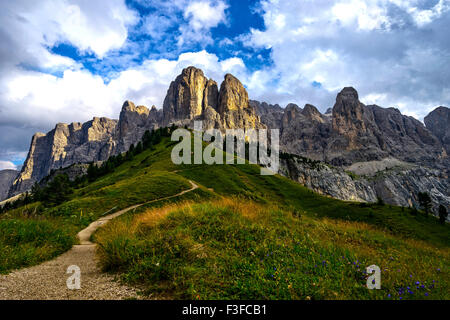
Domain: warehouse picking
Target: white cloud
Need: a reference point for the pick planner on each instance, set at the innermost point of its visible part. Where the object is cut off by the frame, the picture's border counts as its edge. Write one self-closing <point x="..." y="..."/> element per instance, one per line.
<point x="78" y="95"/>
<point x="205" y="14"/>
<point x="90" y="26"/>
<point x="201" y="17"/>
<point x="365" y="15"/>
<point x="7" y="165"/>
<point x="393" y="50"/>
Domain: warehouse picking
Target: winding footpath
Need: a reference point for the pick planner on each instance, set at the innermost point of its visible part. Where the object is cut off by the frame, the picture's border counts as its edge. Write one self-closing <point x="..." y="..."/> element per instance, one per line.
<point x="47" y="281"/>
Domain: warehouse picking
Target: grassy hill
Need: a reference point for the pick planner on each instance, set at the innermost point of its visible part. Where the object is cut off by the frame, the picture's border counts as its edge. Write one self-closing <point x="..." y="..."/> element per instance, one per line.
<point x="240" y="235"/>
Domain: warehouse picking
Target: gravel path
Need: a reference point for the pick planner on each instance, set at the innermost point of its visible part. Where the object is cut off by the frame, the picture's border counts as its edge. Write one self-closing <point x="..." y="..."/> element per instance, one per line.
<point x="48" y="281"/>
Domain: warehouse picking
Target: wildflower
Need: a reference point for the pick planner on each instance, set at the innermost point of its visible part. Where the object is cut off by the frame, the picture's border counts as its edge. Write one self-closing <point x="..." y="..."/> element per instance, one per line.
<point x="426" y="294"/>
<point x="417" y="282"/>
<point x="389" y="295"/>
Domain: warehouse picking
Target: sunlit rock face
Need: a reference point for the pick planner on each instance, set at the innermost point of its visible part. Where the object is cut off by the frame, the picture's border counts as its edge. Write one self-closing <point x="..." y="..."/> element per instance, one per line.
<point x="64" y="145"/>
<point x="194" y="97"/>
<point x="185" y="97"/>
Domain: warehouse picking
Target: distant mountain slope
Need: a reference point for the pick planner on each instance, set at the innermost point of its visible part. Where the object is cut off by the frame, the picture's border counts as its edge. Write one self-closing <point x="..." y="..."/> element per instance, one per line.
<point x="353" y="133"/>
<point x="6" y="179"/>
<point x="438" y="122"/>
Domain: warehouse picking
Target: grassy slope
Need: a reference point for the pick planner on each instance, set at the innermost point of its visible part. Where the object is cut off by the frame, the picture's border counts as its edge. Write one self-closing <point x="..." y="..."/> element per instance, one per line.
<point x="235" y="249"/>
<point x="376" y="233"/>
<point x="25" y="241"/>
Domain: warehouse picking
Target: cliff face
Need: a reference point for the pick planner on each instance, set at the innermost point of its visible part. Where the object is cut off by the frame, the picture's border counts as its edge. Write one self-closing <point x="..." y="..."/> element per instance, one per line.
<point x="438" y="122"/>
<point x="6" y="179"/>
<point x="396" y="184"/>
<point x="63" y="146"/>
<point x="185" y="97"/>
<point x="194" y="97"/>
<point x="364" y="133"/>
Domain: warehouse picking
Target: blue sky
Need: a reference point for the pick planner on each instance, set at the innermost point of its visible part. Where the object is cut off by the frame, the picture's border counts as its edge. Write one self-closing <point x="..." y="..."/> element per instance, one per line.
<point x="71" y="60"/>
<point x="241" y="16"/>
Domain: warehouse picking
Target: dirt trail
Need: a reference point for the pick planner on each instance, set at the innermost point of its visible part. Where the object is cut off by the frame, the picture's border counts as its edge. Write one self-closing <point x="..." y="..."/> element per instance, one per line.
<point x="47" y="281"/>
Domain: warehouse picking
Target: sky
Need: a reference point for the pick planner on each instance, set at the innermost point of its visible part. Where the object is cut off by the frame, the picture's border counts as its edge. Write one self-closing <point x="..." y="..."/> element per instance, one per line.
<point x="71" y="60"/>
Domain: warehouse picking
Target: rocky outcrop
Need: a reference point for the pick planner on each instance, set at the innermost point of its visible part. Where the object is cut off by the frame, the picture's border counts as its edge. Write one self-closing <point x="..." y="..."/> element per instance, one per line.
<point x="132" y="124"/>
<point x="370" y="141"/>
<point x="185" y="97"/>
<point x="354" y="133"/>
<point x="397" y="184"/>
<point x="270" y="115"/>
<point x="364" y="133"/>
<point x="66" y="144"/>
<point x="326" y="179"/>
<point x="7" y="178"/>
<point x="234" y="107"/>
<point x="438" y="122"/>
<point x="194" y="97"/>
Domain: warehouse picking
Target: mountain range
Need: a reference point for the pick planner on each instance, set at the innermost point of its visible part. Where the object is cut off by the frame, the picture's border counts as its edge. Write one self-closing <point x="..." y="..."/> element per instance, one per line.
<point x="352" y="152"/>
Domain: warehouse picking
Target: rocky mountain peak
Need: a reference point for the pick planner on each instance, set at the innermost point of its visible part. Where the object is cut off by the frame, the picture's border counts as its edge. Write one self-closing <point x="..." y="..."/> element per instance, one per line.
<point x="291" y="113"/>
<point x="184" y="99"/>
<point x="7" y="177"/>
<point x="312" y="113"/>
<point x="438" y="122"/>
<point x="348" y="118"/>
<point x="194" y="97"/>
<point x="232" y="95"/>
<point x="348" y="94"/>
<point x="128" y="106"/>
